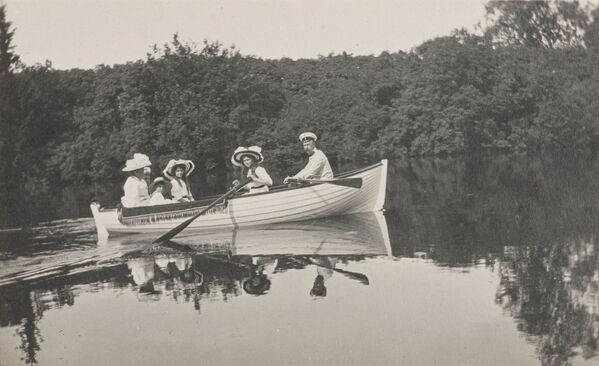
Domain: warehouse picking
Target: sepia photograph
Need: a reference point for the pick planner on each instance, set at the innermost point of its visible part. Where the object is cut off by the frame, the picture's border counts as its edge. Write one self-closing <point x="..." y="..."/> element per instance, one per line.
<point x="299" y="182"/>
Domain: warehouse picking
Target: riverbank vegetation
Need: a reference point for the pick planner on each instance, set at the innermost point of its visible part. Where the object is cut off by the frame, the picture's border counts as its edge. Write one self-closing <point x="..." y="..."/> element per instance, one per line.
<point x="526" y="81"/>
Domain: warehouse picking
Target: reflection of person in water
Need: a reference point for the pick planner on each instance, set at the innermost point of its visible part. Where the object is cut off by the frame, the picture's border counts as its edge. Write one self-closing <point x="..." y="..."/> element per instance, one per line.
<point x="258" y="283"/>
<point x="180" y="275"/>
<point x="174" y="267"/>
<point x="318" y="289"/>
<point x="323" y="274"/>
<point x="142" y="274"/>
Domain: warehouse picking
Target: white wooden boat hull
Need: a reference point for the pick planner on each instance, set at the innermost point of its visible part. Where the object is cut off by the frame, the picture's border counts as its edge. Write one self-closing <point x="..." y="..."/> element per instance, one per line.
<point x="286" y="205"/>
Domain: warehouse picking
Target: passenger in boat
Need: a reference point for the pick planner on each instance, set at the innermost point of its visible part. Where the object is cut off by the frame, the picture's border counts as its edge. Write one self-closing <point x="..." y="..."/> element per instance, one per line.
<point x="318" y="166"/>
<point x="249" y="160"/>
<point x="177" y="172"/>
<point x="136" y="188"/>
<point x="157" y="189"/>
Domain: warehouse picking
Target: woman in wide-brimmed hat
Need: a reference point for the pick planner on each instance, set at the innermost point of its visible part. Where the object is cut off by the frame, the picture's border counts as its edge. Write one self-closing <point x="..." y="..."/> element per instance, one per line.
<point x="249" y="160"/>
<point x="178" y="171"/>
<point x="136" y="188"/>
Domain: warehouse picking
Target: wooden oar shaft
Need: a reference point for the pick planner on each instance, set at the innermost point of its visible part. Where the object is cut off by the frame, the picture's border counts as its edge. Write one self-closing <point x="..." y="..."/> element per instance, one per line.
<point x="170" y="234"/>
<point x="354" y="275"/>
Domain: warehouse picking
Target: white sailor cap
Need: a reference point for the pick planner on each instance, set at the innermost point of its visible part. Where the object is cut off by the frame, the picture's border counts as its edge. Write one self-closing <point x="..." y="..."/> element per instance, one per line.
<point x="306" y="136"/>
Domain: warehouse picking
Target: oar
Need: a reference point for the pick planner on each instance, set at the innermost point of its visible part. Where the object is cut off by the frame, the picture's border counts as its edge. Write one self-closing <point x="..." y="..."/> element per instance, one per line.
<point x="346" y="182"/>
<point x="169" y="235"/>
<point x="353" y="275"/>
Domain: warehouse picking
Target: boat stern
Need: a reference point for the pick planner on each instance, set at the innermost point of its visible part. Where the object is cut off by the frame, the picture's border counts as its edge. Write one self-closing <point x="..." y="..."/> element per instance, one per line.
<point x="382" y="193"/>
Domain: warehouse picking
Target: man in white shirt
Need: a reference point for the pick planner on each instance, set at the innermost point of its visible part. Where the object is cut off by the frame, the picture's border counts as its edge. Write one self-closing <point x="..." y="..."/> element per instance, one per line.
<point x="318" y="166"/>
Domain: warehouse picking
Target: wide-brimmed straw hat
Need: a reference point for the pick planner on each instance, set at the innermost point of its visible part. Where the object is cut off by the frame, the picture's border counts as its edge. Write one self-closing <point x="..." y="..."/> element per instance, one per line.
<point x="158" y="181"/>
<point x="254" y="151"/>
<point x="188" y="167"/>
<point x="139" y="161"/>
<point x="307" y="136"/>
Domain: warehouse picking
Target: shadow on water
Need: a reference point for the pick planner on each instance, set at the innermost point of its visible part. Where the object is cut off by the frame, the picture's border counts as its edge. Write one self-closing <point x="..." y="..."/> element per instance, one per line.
<point x="531" y="222"/>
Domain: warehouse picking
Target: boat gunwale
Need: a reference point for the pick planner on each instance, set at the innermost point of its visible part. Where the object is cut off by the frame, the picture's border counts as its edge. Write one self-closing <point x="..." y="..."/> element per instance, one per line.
<point x="283" y="188"/>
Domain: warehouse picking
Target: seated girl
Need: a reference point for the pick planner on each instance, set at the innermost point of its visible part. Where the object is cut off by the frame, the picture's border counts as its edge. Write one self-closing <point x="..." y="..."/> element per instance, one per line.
<point x="157" y="189"/>
<point x="249" y="160"/>
<point x="177" y="172"/>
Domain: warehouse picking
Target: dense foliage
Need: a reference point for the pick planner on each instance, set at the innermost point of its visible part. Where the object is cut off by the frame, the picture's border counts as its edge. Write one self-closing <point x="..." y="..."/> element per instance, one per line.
<point x="517" y="86"/>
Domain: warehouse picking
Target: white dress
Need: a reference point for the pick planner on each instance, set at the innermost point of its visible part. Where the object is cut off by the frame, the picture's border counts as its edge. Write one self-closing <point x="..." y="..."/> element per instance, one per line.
<point x="261" y="184"/>
<point x="179" y="191"/>
<point x="158" y="199"/>
<point x="136" y="193"/>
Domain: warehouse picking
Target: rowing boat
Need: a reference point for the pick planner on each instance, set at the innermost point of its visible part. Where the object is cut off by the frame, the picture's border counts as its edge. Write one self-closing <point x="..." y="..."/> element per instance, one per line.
<point x="280" y="204"/>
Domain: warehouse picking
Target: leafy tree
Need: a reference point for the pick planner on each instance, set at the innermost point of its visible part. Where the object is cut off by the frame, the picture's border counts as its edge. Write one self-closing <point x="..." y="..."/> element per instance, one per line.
<point x="8" y="125"/>
<point x="536" y="23"/>
<point x="8" y="59"/>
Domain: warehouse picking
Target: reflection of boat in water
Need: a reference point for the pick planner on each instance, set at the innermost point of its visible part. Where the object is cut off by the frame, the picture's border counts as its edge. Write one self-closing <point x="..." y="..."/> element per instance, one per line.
<point x="281" y="204"/>
<point x="249" y="257"/>
<point x="356" y="234"/>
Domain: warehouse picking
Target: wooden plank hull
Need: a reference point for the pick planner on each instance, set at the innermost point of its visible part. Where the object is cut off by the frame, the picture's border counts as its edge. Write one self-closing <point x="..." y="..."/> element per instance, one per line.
<point x="276" y="206"/>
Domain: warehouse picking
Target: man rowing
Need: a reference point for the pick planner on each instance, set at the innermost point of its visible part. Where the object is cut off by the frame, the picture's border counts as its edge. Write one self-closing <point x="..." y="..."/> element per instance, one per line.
<point x="318" y="166"/>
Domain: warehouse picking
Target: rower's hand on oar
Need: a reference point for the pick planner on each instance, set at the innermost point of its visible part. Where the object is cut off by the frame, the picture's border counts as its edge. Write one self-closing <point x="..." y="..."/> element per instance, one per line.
<point x="291" y="182"/>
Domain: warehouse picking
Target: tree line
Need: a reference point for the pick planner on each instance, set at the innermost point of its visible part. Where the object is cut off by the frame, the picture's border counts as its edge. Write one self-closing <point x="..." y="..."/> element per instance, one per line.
<point x="527" y="81"/>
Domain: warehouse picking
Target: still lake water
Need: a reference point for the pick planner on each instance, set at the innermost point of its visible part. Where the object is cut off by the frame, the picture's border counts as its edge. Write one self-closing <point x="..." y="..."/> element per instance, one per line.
<point x="487" y="262"/>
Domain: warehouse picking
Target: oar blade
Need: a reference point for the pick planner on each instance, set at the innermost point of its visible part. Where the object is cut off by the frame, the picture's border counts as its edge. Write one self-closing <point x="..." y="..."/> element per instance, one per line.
<point x="356" y="276"/>
<point x="171" y="234"/>
<point x="348" y="182"/>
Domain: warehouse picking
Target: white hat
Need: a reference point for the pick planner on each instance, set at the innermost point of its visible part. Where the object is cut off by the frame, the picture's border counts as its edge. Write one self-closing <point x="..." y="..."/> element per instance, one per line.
<point x="139" y="161"/>
<point x="254" y="151"/>
<point x="187" y="165"/>
<point x="159" y="180"/>
<point x="307" y="135"/>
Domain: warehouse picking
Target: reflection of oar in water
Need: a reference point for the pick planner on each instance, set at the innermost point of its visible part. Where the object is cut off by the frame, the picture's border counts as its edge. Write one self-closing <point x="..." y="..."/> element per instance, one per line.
<point x="346" y="182"/>
<point x="176" y="230"/>
<point x="186" y="248"/>
<point x="349" y="274"/>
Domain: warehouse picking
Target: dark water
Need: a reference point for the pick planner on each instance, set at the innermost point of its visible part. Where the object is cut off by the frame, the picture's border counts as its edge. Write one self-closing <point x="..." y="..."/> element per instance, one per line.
<point x="488" y="262"/>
